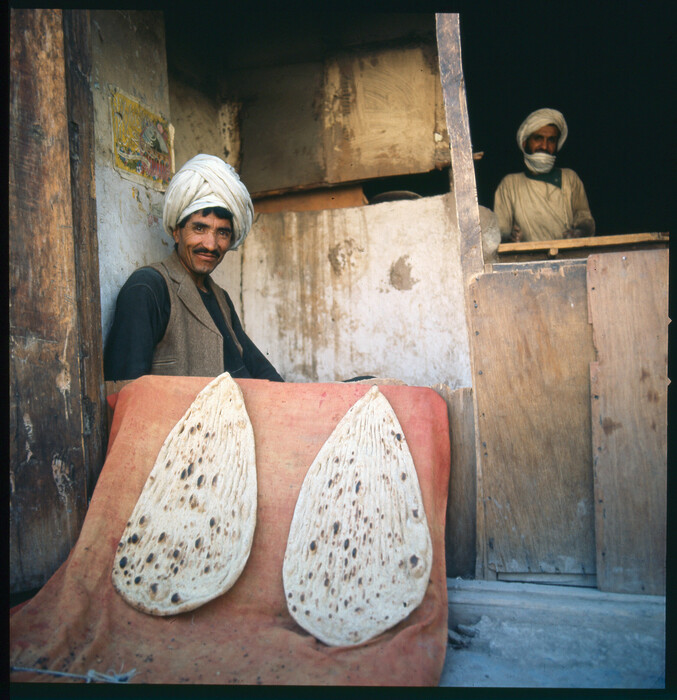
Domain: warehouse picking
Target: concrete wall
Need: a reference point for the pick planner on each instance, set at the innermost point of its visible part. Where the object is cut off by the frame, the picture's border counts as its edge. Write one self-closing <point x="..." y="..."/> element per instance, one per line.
<point x="128" y="53"/>
<point x="377" y="290"/>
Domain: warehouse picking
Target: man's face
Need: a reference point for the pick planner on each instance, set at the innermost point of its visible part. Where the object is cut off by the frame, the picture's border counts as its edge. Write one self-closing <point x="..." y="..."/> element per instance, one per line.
<point x="202" y="243"/>
<point x="544" y="140"/>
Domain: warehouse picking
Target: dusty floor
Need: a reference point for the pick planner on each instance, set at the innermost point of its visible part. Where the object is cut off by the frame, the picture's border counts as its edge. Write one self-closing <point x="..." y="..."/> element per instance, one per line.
<point x="539" y="636"/>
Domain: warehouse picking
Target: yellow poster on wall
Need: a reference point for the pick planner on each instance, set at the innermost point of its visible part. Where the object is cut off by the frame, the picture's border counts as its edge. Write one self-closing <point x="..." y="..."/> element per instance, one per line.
<point x="143" y="148"/>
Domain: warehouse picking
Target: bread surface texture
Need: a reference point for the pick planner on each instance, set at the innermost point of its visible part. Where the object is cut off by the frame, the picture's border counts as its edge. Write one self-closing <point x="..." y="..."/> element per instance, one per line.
<point x="359" y="552"/>
<point x="191" y="530"/>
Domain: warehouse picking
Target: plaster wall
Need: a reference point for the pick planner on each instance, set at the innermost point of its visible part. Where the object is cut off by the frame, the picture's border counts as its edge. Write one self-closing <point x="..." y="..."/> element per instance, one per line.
<point x="334" y="294"/>
<point x="128" y="53"/>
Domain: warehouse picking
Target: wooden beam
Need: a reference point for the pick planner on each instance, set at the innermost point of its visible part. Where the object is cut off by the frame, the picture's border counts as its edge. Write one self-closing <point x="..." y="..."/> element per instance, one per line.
<point x="48" y="496"/>
<point x="468" y="217"/>
<point x="78" y="61"/>
<point x="458" y="126"/>
<point x="589" y="242"/>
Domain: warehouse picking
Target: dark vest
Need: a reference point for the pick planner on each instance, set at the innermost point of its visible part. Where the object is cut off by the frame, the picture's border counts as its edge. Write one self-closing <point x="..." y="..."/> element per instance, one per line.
<point x="192" y="344"/>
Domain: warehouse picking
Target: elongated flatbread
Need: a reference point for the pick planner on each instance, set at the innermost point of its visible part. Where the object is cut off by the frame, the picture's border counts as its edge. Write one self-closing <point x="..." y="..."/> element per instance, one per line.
<point x="359" y="552"/>
<point x="190" y="533"/>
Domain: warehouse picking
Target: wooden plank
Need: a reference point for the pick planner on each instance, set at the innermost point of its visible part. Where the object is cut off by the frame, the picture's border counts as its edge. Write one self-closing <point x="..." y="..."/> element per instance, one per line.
<point x="78" y="57"/>
<point x="317" y="200"/>
<point x="628" y="297"/>
<point x="458" y="126"/>
<point x="531" y="347"/>
<point x="459" y="534"/>
<point x="47" y="465"/>
<point x="589" y="242"/>
<point x="579" y="580"/>
<point x="466" y="210"/>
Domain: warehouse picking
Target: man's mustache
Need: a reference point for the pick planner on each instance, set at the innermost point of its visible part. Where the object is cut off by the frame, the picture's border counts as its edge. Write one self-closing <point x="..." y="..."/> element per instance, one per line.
<point x="204" y="251"/>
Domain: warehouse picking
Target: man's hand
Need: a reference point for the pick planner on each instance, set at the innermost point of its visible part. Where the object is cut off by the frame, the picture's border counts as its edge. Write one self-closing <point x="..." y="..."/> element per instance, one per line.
<point x="583" y="230"/>
<point x="516" y="234"/>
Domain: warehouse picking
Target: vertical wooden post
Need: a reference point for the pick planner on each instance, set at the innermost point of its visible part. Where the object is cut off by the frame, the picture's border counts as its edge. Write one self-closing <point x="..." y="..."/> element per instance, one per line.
<point x="467" y="211"/>
<point x="48" y="427"/>
<point x="78" y="57"/>
<point x="458" y="126"/>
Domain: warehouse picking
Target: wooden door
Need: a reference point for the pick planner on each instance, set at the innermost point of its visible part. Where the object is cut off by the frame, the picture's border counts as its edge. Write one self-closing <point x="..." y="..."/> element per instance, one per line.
<point x="532" y="346"/>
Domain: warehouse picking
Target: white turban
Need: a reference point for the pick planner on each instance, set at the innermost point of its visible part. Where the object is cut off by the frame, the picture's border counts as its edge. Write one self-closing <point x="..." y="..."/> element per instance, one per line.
<point x="541" y="162"/>
<point x="207" y="181"/>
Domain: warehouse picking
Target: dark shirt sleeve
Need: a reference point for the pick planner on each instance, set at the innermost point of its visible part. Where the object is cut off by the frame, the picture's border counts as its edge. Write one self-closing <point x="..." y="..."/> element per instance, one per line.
<point x="255" y="361"/>
<point x="141" y="316"/>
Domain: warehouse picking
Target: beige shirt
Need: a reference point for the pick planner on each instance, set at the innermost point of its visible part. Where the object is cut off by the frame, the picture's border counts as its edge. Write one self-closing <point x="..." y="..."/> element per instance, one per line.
<point x="542" y="211"/>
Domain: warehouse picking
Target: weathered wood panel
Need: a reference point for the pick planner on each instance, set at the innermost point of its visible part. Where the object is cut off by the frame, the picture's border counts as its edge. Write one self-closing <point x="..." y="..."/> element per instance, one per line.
<point x="78" y="56"/>
<point x="531" y="347"/>
<point x="628" y="298"/>
<point x="351" y="117"/>
<point x="47" y="469"/>
<point x="381" y="114"/>
<point x="459" y="533"/>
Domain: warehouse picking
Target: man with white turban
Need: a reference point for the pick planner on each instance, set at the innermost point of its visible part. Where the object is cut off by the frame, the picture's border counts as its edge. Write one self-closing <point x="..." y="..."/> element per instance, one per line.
<point x="542" y="203"/>
<point x="171" y="317"/>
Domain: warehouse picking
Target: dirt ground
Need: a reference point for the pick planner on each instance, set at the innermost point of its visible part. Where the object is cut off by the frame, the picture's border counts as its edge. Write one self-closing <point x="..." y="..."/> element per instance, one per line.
<point x="505" y="635"/>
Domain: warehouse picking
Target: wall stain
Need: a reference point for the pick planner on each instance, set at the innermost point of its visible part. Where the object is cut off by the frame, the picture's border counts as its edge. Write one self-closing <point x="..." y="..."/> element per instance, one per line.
<point x="400" y="274"/>
<point x="340" y="255"/>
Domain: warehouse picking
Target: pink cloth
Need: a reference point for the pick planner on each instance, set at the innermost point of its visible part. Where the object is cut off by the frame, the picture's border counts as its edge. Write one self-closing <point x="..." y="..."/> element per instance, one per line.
<point x="78" y="622"/>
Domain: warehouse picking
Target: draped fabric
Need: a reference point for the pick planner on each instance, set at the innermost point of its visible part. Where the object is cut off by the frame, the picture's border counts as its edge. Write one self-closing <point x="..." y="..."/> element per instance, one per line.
<point x="77" y="623"/>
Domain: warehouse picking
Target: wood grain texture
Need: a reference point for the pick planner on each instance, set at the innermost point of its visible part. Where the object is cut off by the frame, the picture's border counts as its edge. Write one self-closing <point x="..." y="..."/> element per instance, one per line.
<point x="353" y="116"/>
<point x="458" y="126"/>
<point x="532" y="346"/>
<point x="381" y="113"/>
<point x="589" y="242"/>
<point x="459" y="534"/>
<point x="47" y="466"/>
<point x="628" y="298"/>
<point x="78" y="57"/>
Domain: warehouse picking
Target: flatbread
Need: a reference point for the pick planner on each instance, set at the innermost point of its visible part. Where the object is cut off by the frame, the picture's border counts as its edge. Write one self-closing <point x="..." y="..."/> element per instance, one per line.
<point x="190" y="533"/>
<point x="359" y="553"/>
